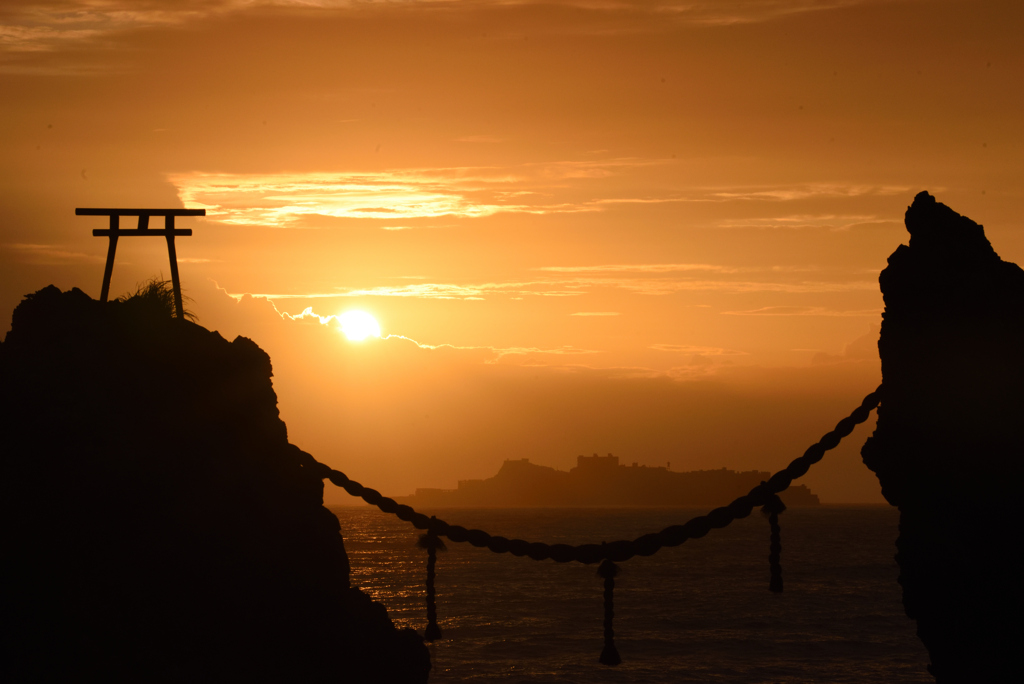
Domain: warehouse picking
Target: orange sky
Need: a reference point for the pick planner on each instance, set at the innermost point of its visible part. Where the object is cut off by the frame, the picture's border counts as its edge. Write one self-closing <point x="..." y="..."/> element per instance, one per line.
<point x="646" y="228"/>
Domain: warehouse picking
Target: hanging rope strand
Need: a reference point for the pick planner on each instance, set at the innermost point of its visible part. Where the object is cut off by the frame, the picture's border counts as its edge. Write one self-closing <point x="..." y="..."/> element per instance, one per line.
<point x="609" y="654"/>
<point x="772" y="510"/>
<point x="431" y="542"/>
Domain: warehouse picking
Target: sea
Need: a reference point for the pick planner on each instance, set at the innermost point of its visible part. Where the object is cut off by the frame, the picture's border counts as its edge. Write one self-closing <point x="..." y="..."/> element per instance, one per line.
<point x="700" y="612"/>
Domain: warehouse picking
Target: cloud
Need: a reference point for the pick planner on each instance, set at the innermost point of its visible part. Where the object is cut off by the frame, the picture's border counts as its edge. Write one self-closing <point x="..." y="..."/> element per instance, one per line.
<point x="801" y="221"/>
<point x="45" y="25"/>
<point x="728" y="12"/>
<point x="789" y="193"/>
<point x="667" y="286"/>
<point x="638" y="268"/>
<point x="404" y="199"/>
<point x="51" y="37"/>
<point x="436" y="291"/>
<point x="577" y="286"/>
<point x="702" y="351"/>
<point x="308" y="315"/>
<point x="50" y="25"/>
<point x="574" y="287"/>
<point x="286" y="199"/>
<point x="501" y="352"/>
<point x="802" y="311"/>
<point x="396" y="196"/>
<point x="497" y="353"/>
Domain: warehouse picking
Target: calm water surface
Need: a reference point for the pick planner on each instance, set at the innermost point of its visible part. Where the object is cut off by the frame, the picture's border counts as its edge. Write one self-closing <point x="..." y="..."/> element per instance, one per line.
<point x="700" y="612"/>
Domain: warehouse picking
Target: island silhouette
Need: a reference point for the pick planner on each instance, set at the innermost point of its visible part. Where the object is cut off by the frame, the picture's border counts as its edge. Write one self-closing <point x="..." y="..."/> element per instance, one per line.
<point x="601" y="481"/>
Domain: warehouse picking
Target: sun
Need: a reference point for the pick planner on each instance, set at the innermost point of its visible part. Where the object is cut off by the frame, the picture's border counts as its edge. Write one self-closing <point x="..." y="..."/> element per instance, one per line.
<point x="358" y="325"/>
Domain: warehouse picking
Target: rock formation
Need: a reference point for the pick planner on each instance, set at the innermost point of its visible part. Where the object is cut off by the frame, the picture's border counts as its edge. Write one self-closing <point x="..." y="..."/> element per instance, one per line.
<point x="158" y="526"/>
<point x="949" y="445"/>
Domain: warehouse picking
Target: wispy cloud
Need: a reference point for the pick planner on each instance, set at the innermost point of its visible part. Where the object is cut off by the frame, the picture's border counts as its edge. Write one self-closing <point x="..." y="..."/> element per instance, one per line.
<point x="832" y="222"/>
<point x="436" y="291"/>
<point x="728" y="12"/>
<point x="454" y="291"/>
<point x="404" y="199"/>
<point x="670" y="286"/>
<point x="693" y="349"/>
<point x="789" y="193"/>
<point x="638" y="268"/>
<point x="196" y="260"/>
<point x="47" y="25"/>
<point x="499" y="353"/>
<point x="285" y="199"/>
<point x="573" y="287"/>
<point x="51" y="25"/>
<point x="802" y="311"/>
<point x="392" y="198"/>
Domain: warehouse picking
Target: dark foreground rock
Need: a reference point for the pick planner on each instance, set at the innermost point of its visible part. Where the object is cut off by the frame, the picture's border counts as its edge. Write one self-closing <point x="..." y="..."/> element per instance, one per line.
<point x="949" y="446"/>
<point x="158" y="526"/>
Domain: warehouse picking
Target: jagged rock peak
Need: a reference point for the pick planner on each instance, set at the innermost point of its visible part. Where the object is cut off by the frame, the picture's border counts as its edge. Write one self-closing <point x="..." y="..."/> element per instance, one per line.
<point x="949" y="273"/>
<point x="934" y="226"/>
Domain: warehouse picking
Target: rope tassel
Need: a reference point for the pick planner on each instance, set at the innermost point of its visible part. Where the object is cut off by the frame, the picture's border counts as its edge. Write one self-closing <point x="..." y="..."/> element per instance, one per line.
<point x="772" y="510"/>
<point x="609" y="654"/>
<point x="432" y="543"/>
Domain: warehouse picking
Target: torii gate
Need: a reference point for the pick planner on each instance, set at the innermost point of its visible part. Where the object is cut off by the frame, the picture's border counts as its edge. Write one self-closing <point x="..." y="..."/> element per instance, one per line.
<point x="168" y="232"/>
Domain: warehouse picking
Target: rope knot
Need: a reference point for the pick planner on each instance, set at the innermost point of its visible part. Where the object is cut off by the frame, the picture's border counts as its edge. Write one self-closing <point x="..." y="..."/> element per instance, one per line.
<point x="608" y="569"/>
<point x="774" y="505"/>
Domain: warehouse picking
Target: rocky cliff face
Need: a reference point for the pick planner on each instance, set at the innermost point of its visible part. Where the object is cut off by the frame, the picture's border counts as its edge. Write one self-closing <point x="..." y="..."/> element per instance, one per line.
<point x="949" y="448"/>
<point x="158" y="524"/>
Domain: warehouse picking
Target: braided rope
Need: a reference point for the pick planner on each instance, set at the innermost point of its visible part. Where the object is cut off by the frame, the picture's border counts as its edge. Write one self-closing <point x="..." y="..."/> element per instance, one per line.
<point x="622" y="550"/>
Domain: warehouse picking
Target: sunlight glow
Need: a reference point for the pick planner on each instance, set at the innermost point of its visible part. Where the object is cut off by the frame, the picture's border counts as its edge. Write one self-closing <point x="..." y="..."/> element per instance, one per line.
<point x="358" y="325"/>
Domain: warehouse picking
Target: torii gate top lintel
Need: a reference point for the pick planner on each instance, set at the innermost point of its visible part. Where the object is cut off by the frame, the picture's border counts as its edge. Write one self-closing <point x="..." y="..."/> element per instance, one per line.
<point x="139" y="212"/>
<point x="168" y="232"/>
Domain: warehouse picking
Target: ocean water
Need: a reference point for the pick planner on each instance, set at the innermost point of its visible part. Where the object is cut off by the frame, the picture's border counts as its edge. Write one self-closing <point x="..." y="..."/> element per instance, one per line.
<point x="700" y="612"/>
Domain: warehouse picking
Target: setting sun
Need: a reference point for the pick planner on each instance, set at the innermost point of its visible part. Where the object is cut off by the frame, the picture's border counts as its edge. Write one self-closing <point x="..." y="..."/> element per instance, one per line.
<point x="358" y="325"/>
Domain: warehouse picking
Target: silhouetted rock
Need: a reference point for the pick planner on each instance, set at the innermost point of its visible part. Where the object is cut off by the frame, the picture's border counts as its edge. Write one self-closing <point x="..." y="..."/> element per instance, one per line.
<point x="158" y="524"/>
<point x="949" y="446"/>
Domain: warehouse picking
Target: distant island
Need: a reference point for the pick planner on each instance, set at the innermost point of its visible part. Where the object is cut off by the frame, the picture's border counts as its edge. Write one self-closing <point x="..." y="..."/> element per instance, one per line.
<point x="602" y="481"/>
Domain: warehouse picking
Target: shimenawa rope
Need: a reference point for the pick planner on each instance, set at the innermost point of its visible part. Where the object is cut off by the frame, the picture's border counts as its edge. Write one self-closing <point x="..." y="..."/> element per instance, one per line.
<point x="764" y="495"/>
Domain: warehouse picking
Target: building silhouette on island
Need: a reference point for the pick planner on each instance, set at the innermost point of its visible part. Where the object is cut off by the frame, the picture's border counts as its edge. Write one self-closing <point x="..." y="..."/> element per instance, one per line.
<point x="599" y="481"/>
